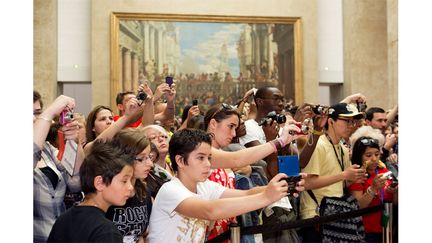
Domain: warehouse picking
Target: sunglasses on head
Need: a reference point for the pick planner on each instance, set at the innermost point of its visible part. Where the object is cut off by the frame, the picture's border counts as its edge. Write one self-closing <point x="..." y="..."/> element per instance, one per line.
<point x="223" y="106"/>
<point x="369" y="141"/>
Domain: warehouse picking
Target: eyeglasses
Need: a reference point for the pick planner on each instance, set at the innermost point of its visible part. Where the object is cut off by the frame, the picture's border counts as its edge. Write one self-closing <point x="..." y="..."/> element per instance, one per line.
<point x="154" y="137"/>
<point x="149" y="158"/>
<point x="369" y="141"/>
<point x="275" y="98"/>
<point x="223" y="107"/>
<point x="350" y="122"/>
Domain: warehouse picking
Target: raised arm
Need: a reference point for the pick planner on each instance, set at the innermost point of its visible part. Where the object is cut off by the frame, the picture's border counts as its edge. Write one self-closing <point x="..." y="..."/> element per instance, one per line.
<point x="242" y="102"/>
<point x="193" y="111"/>
<point x="240" y="158"/>
<point x="147" y="106"/>
<point x="354" y="98"/>
<point x="392" y="115"/>
<point x="169" y="111"/>
<point x="307" y="151"/>
<point x="43" y="122"/>
<point x="132" y="108"/>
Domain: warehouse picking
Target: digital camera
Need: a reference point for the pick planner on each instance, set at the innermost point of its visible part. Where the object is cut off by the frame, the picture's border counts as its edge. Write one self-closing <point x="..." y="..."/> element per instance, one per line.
<point x="66" y="116"/>
<point x="141" y="96"/>
<point x="388" y="175"/>
<point x="305" y="127"/>
<point x="292" y="183"/>
<point x="361" y="106"/>
<point x="319" y="109"/>
<point x="279" y="118"/>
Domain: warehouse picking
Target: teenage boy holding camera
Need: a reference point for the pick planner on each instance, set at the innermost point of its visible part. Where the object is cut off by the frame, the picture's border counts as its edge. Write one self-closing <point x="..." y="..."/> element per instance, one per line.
<point x="183" y="207"/>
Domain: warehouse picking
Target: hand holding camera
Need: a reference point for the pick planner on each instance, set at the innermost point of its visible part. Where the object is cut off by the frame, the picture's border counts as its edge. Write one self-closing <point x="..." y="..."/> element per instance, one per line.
<point x="274" y="117"/>
<point x="305" y="127"/>
<point x="292" y="183"/>
<point x="320" y="109"/>
<point x="66" y="116"/>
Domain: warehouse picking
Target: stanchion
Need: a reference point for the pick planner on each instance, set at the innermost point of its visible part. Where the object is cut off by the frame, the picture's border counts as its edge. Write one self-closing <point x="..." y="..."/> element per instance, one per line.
<point x="388" y="227"/>
<point x="235" y="233"/>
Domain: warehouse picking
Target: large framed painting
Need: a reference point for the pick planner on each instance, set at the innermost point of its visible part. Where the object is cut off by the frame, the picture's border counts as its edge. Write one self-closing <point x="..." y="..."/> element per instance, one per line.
<point x="212" y="58"/>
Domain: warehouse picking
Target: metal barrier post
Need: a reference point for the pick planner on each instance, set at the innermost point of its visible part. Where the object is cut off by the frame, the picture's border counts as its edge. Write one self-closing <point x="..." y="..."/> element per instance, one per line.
<point x="235" y="233"/>
<point x="388" y="230"/>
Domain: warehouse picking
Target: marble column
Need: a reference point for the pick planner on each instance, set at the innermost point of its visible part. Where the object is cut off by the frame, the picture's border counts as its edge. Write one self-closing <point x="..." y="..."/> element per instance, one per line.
<point x="152" y="43"/>
<point x="135" y="72"/>
<point x="127" y="75"/>
<point x="120" y="70"/>
<point x="146" y="42"/>
<point x="160" y="51"/>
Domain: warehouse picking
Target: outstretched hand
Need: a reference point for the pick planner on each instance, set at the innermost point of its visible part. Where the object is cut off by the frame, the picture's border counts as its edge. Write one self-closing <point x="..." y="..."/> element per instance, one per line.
<point x="277" y="188"/>
<point x="291" y="132"/>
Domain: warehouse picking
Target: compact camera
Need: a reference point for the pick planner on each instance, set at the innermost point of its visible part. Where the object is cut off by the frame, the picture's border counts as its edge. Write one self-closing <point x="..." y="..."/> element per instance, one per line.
<point x="361" y="106"/>
<point x="388" y="175"/>
<point x="319" y="109"/>
<point x="292" y="183"/>
<point x="66" y="116"/>
<point x="304" y="129"/>
<point x="141" y="96"/>
<point x="279" y="118"/>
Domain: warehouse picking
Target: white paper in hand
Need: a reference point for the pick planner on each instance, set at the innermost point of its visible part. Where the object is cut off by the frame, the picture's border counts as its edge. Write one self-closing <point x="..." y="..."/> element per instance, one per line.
<point x="69" y="156"/>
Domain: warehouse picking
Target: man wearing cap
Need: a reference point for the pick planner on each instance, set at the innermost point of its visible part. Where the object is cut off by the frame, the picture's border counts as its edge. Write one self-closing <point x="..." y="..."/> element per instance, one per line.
<point x="330" y="167"/>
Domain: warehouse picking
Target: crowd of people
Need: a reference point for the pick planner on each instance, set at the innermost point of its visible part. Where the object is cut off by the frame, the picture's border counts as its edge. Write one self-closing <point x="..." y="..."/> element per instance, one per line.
<point x="152" y="174"/>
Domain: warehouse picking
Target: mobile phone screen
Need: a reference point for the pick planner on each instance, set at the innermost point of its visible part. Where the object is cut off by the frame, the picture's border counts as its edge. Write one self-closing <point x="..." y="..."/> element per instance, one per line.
<point x="289" y="164"/>
<point x="169" y="80"/>
<point x="194" y="102"/>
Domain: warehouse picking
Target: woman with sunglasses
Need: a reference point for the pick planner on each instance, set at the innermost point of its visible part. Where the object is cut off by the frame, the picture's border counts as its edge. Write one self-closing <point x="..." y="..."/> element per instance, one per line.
<point x="377" y="189"/>
<point x="132" y="219"/>
<point x="221" y="123"/>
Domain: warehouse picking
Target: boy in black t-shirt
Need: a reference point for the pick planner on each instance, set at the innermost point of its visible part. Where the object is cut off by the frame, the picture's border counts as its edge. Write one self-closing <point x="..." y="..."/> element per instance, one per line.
<point x="105" y="180"/>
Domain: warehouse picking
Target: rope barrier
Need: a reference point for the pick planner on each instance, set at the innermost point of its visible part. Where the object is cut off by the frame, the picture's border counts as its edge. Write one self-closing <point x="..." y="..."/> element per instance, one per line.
<point x="296" y="224"/>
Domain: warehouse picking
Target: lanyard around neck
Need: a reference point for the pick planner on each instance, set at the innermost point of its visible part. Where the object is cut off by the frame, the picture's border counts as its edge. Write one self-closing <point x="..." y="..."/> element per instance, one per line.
<point x="341" y="160"/>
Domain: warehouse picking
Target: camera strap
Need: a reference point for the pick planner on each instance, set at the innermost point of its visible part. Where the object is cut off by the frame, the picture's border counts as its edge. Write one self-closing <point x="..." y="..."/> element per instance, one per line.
<point x="61" y="144"/>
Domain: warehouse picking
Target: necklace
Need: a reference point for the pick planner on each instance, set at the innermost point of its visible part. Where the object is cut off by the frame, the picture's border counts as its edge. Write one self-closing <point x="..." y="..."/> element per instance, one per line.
<point x="88" y="203"/>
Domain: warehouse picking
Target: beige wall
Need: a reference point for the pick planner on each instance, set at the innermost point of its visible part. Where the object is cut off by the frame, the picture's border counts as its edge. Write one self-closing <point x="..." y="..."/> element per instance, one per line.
<point x="370" y="42"/>
<point x="101" y="10"/>
<point x="370" y="50"/>
<point x="45" y="48"/>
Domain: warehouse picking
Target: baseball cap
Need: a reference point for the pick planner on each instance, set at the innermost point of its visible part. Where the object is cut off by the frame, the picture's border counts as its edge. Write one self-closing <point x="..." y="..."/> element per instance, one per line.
<point x="344" y="110"/>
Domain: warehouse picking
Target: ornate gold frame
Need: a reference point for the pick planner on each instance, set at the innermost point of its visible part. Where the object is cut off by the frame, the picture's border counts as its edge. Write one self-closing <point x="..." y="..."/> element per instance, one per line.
<point x="116" y="17"/>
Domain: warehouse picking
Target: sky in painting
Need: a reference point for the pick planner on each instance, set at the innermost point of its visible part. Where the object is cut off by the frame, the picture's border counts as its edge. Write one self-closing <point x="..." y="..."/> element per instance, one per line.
<point x="201" y="45"/>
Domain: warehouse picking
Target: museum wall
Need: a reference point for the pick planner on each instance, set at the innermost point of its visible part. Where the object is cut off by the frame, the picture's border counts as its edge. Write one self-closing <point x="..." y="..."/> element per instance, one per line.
<point x="370" y="42"/>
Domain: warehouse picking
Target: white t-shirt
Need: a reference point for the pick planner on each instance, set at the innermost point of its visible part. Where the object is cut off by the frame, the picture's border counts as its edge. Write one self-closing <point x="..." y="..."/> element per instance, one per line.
<point x="253" y="132"/>
<point x="166" y="225"/>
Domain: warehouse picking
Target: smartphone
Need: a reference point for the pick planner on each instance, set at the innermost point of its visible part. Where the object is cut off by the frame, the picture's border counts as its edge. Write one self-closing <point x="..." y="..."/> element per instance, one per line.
<point x="194" y="102"/>
<point x="169" y="80"/>
<point x="289" y="164"/>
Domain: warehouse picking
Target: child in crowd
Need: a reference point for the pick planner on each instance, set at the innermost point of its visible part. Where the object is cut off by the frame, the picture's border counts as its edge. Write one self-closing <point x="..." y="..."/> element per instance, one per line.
<point x="105" y="180"/>
<point x="132" y="218"/>
<point x="183" y="207"/>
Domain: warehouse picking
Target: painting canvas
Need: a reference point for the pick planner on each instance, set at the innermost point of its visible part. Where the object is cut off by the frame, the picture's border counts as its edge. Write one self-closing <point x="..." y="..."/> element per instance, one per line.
<point x="211" y="58"/>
